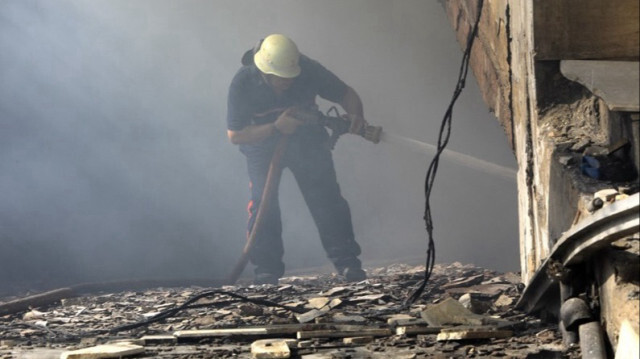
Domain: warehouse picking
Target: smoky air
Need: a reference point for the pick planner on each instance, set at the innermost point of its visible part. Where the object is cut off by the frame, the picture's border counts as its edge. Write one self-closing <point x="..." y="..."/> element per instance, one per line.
<point x="115" y="162"/>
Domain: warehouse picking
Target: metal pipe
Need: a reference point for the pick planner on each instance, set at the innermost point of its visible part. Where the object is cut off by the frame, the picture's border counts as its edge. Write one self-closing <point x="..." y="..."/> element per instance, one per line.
<point x="592" y="341"/>
<point x="579" y="243"/>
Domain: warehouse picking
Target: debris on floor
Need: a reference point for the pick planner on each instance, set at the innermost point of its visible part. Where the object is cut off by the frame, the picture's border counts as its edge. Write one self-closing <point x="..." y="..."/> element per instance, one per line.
<point x="466" y="312"/>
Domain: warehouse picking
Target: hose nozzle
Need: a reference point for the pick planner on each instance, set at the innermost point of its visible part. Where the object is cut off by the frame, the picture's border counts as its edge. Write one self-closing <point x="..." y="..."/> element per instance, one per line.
<point x="339" y="125"/>
<point x="371" y="133"/>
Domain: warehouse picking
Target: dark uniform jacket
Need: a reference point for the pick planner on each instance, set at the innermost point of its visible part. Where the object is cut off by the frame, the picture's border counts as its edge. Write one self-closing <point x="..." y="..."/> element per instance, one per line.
<point x="252" y="102"/>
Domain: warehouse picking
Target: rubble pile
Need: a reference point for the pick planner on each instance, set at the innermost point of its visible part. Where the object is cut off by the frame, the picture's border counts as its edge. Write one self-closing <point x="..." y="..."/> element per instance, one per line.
<point x="465" y="312"/>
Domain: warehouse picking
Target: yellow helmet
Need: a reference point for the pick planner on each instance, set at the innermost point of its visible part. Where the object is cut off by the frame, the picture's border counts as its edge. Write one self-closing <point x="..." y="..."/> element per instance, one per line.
<point x="278" y="55"/>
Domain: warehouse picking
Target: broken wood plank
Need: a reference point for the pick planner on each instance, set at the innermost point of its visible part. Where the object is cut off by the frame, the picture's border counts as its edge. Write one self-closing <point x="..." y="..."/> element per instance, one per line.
<point x="490" y="290"/>
<point x="357" y="340"/>
<point x="159" y="339"/>
<point x="464" y="333"/>
<point x="417" y="329"/>
<point x="128" y="341"/>
<point x="104" y="351"/>
<point x="315" y="313"/>
<point x="465" y="282"/>
<point x="36" y="300"/>
<point x="292" y="329"/>
<point x="404" y="320"/>
<point x="277" y="329"/>
<point x="204" y="333"/>
<point x="376" y="332"/>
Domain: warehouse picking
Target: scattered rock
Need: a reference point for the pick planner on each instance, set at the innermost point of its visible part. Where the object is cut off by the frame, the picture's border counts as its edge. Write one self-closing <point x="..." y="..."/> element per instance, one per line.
<point x="270" y="349"/>
<point x="475" y="302"/>
<point x="467" y="333"/>
<point x="354" y="320"/>
<point x="503" y="301"/>
<point x="450" y="312"/>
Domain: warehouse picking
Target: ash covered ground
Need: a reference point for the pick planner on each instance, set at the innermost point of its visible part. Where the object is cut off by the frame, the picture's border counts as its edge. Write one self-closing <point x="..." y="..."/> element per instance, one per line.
<point x="316" y="316"/>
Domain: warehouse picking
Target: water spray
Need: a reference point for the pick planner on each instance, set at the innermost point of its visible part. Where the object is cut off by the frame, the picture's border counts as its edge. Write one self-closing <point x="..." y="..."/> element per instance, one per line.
<point x="339" y="126"/>
<point x="453" y="156"/>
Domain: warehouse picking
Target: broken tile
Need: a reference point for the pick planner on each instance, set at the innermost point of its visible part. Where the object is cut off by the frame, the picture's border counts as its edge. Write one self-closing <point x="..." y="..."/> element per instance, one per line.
<point x="417" y="329"/>
<point x="334" y="291"/>
<point x="357" y="340"/>
<point x="464" y="282"/>
<point x="104" y="351"/>
<point x="450" y="312"/>
<point x="311" y="315"/>
<point x="504" y="301"/>
<point x="368" y="297"/>
<point x="465" y="333"/>
<point x="270" y="349"/>
<point x="318" y="302"/>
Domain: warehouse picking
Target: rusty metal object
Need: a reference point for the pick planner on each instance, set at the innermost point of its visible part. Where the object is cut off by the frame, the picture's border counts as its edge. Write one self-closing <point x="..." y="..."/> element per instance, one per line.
<point x="609" y="224"/>
<point x="574" y="312"/>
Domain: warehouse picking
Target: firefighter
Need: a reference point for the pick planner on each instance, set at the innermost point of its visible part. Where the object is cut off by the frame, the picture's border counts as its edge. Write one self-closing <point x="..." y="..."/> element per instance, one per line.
<point x="274" y="82"/>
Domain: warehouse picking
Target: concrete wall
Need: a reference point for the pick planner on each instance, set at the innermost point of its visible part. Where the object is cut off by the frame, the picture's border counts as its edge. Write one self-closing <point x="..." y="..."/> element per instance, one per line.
<point x="551" y="121"/>
<point x="515" y="60"/>
<point x="502" y="63"/>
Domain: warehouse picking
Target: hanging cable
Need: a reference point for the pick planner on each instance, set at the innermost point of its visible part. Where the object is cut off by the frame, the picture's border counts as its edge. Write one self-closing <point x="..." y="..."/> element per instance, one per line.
<point x="443" y="140"/>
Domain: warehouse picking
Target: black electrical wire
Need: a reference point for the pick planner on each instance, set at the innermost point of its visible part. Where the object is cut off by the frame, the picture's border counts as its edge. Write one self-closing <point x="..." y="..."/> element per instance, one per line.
<point x="443" y="140"/>
<point x="187" y="305"/>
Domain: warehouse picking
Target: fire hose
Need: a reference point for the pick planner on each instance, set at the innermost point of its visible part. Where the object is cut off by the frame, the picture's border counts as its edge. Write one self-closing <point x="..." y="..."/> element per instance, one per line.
<point x="338" y="126"/>
<point x="273" y="179"/>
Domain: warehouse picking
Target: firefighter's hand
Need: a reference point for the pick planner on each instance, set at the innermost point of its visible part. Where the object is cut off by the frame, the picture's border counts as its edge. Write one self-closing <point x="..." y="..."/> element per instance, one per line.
<point x="357" y="123"/>
<point x="287" y="123"/>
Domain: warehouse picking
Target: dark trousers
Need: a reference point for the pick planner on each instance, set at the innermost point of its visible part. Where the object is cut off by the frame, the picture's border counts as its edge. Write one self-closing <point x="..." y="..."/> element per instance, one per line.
<point x="313" y="169"/>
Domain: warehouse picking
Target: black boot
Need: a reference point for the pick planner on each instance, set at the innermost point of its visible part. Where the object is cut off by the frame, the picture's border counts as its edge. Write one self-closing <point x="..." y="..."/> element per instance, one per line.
<point x="265" y="278"/>
<point x="354" y="274"/>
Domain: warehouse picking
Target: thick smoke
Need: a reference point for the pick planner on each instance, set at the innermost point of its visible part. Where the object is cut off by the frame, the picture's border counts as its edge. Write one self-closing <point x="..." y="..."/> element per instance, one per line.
<point x="114" y="161"/>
